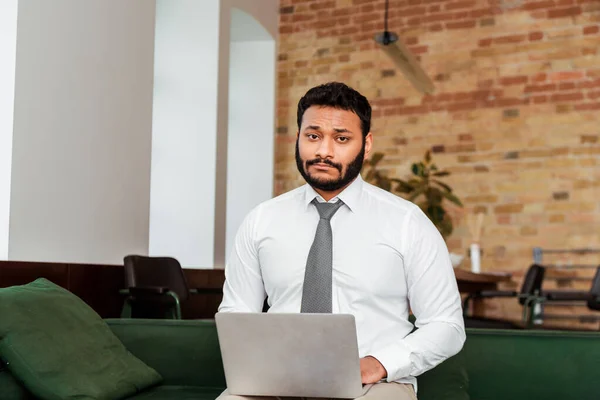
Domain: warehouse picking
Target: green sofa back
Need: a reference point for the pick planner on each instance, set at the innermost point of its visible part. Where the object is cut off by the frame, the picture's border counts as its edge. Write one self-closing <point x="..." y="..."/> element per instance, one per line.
<point x="499" y="364"/>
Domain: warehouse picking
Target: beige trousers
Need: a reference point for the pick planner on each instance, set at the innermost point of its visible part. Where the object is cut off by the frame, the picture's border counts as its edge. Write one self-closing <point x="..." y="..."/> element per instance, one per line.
<point x="378" y="391"/>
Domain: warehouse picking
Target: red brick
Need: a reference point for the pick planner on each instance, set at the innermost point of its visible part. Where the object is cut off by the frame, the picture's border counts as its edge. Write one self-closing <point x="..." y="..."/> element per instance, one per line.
<point x="564" y="12"/>
<point x="459" y="4"/>
<point x="538" y="5"/>
<point x="588" y="107"/>
<point x="511" y="102"/>
<point x="535" y="36"/>
<point x="419" y="49"/>
<point x="566" y="76"/>
<point x="413" y="12"/>
<point x="322" y="5"/>
<point x="589" y="84"/>
<point x="484" y="12"/>
<point x="470" y="105"/>
<point x="485" y="42"/>
<point x="461" y="25"/>
<point x="562" y="97"/>
<point x="566" y="86"/>
<point x="540" y="88"/>
<point x="593" y="95"/>
<point x="591" y="30"/>
<point x="540" y="99"/>
<point x="439" y="17"/>
<point x="562" y="3"/>
<point x="303" y="17"/>
<point x="513" y="80"/>
<point x="509" y="39"/>
<point x="413" y="110"/>
<point x="540" y="77"/>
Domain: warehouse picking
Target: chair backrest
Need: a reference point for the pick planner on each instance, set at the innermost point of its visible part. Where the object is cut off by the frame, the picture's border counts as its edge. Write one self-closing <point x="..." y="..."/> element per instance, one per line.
<point x="166" y="272"/>
<point x="594" y="303"/>
<point x="532" y="283"/>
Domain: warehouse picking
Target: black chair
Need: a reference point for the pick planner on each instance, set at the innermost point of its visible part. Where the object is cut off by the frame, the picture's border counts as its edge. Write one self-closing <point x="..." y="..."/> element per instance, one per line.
<point x="594" y="302"/>
<point x="156" y="287"/>
<point x="531" y="287"/>
<point x="590" y="296"/>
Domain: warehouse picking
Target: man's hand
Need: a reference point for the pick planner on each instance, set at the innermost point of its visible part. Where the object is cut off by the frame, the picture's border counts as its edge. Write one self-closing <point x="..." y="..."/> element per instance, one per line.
<point x="371" y="370"/>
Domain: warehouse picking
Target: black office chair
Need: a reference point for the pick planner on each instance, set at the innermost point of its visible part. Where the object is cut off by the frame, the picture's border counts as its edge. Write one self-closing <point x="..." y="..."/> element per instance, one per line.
<point x="156" y="287"/>
<point x="531" y="287"/>
<point x="594" y="302"/>
<point x="591" y="297"/>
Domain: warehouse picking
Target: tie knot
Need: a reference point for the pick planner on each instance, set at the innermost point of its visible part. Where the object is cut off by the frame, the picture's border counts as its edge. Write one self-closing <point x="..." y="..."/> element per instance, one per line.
<point x="326" y="210"/>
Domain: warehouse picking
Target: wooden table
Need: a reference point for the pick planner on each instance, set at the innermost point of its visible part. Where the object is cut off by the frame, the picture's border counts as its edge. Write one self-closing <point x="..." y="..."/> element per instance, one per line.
<point x="470" y="283"/>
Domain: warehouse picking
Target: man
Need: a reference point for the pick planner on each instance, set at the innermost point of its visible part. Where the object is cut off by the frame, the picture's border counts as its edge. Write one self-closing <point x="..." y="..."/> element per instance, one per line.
<point x="381" y="253"/>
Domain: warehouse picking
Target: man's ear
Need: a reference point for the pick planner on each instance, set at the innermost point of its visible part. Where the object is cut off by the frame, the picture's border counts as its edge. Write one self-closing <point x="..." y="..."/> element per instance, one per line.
<point x="368" y="145"/>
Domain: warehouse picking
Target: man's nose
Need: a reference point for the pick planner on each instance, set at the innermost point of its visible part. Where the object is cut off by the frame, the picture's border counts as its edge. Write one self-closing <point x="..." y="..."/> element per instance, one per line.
<point x="325" y="149"/>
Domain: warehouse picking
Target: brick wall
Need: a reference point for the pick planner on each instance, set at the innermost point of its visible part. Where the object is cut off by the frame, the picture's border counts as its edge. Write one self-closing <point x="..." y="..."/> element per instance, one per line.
<point x="515" y="116"/>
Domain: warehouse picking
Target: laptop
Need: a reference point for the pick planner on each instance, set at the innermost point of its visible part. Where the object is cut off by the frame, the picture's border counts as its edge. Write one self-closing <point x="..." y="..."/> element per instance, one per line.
<point x="296" y="355"/>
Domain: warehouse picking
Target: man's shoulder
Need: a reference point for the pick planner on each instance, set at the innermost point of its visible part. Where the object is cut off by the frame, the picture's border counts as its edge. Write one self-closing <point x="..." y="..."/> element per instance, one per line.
<point x="387" y="200"/>
<point x="285" y="200"/>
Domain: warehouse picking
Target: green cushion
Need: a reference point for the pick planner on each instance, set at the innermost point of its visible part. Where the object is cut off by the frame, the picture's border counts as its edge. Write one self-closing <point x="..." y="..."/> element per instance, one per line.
<point x="59" y="348"/>
<point x="10" y="389"/>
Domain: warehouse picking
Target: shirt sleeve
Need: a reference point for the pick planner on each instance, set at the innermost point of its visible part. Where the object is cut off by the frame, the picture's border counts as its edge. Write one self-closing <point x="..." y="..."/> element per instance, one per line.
<point x="243" y="290"/>
<point x="434" y="300"/>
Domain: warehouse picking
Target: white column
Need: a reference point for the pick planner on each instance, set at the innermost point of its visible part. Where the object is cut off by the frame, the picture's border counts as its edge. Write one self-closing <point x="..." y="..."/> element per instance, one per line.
<point x="82" y="130"/>
<point x="8" y="49"/>
<point x="250" y="154"/>
<point x="184" y="131"/>
<point x="196" y="205"/>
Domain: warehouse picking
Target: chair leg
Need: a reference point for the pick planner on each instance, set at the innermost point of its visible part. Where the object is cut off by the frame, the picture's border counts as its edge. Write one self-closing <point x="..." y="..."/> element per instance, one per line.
<point x="177" y="304"/>
<point x="126" y="311"/>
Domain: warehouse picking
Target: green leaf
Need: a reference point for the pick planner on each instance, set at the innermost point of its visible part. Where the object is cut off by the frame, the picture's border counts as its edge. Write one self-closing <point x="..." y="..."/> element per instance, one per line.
<point x="441" y="173"/>
<point x="415" y="169"/>
<point x="445" y="227"/>
<point x="376" y="158"/>
<point x="417" y="192"/>
<point x="435" y="213"/>
<point x="442" y="184"/>
<point x="451" y="197"/>
<point x="385" y="184"/>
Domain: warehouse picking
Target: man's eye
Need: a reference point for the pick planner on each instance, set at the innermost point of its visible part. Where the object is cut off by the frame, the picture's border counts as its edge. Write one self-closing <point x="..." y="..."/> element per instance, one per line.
<point x="343" y="139"/>
<point x="312" y="136"/>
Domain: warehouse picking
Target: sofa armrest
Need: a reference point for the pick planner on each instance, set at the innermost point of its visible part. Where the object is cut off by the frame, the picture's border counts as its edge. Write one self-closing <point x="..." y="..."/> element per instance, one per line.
<point x="183" y="352"/>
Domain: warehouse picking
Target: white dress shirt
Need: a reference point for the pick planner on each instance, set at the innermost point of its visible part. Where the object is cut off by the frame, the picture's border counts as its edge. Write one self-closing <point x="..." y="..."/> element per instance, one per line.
<point x="387" y="257"/>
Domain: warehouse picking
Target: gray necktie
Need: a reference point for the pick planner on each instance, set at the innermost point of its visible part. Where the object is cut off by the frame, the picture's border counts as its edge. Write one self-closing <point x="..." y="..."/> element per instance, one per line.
<point x="316" y="292"/>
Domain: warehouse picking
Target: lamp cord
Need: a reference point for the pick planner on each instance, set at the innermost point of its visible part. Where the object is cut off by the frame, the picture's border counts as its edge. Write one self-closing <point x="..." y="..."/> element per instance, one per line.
<point x="385" y="21"/>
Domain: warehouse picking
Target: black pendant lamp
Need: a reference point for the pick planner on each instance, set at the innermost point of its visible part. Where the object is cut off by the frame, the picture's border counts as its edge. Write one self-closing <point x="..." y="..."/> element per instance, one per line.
<point x="403" y="58"/>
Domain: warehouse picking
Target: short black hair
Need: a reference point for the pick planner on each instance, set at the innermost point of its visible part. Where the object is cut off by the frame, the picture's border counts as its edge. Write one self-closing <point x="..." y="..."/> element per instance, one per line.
<point x="337" y="95"/>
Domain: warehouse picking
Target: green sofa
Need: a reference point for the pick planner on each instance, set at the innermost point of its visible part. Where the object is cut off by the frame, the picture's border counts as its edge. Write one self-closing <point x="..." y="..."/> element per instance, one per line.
<point x="494" y="364"/>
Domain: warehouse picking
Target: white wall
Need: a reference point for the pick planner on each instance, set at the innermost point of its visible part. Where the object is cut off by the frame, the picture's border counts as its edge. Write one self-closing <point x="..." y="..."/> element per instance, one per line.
<point x="190" y="206"/>
<point x="184" y="127"/>
<point x="8" y="48"/>
<point x="82" y="130"/>
<point x="251" y="129"/>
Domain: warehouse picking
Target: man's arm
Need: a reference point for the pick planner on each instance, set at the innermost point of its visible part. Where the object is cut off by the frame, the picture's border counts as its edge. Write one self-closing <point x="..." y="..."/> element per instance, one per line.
<point x="243" y="290"/>
<point x="434" y="299"/>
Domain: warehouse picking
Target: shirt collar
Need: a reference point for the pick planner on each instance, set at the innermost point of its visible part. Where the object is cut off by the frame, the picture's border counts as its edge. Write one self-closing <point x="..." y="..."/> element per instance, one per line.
<point x="350" y="196"/>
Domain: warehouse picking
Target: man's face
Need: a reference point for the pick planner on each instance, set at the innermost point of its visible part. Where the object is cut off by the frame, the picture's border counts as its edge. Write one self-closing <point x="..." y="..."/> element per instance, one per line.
<point x="330" y="149"/>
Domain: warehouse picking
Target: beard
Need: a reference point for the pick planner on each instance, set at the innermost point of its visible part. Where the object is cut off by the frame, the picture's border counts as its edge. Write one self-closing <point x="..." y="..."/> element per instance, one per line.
<point x="330" y="185"/>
